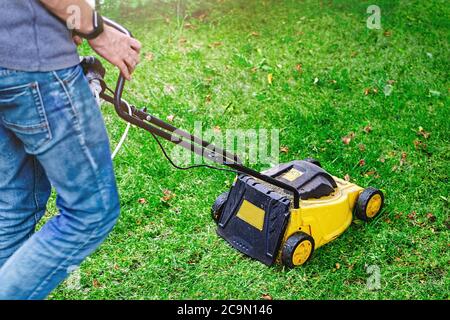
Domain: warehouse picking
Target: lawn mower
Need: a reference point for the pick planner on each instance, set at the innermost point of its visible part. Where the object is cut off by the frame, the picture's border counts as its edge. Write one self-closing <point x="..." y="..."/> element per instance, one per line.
<point x="280" y="215"/>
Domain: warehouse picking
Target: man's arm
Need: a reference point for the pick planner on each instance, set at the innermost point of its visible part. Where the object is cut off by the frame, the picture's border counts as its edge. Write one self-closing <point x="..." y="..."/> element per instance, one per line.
<point x="116" y="47"/>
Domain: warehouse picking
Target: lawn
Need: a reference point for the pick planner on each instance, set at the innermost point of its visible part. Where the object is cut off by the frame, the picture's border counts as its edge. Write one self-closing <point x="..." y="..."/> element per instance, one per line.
<point x="372" y="105"/>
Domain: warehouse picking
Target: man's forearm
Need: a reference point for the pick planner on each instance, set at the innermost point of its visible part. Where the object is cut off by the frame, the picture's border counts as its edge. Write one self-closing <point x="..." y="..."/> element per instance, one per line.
<point x="80" y="11"/>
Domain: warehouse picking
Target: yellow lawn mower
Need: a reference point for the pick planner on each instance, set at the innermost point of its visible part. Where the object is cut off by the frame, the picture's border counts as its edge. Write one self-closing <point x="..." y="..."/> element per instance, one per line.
<point x="279" y="215"/>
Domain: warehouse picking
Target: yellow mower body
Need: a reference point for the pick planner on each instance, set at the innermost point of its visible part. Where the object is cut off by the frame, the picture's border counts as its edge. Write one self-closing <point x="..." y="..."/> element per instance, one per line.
<point x="261" y="222"/>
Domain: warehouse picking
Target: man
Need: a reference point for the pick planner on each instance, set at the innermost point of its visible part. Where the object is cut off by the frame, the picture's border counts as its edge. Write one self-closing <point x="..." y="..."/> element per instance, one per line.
<point x="52" y="134"/>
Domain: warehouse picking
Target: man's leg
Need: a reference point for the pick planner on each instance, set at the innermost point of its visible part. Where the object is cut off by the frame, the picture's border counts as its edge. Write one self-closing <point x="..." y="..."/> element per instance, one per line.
<point x="72" y="146"/>
<point x="24" y="192"/>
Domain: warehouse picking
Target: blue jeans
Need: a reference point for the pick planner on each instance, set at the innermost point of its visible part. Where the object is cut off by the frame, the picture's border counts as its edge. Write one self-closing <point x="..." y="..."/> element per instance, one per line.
<point x="51" y="134"/>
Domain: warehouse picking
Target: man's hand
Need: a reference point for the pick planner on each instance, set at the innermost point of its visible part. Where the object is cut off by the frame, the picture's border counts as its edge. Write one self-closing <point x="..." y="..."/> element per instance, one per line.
<point x="119" y="49"/>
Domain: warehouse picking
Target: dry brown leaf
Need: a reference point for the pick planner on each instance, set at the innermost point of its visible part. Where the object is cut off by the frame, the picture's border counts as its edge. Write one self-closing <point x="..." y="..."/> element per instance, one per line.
<point x="338" y="266"/>
<point x="255" y="34"/>
<point x="149" y="56"/>
<point x="412" y="215"/>
<point x="96" y="283"/>
<point x="403" y="158"/>
<point x="423" y="133"/>
<point x="367" y="129"/>
<point x="190" y="26"/>
<point x="168" y="195"/>
<point x="216" y="44"/>
<point x="284" y="149"/>
<point x="431" y="217"/>
<point x="266" y="296"/>
<point x="362" y="163"/>
<point x="142" y="200"/>
<point x="387" y="33"/>
<point x="348" y="138"/>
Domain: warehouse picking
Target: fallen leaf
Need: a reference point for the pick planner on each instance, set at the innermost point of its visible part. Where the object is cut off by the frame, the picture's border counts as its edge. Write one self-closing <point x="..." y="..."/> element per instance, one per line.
<point x="412" y="215"/>
<point x="348" y="138"/>
<point x="149" y="56"/>
<point x="189" y="26"/>
<point x="266" y="296"/>
<point x="387" y="33"/>
<point x="423" y="133"/>
<point x="361" y="147"/>
<point x="347" y="177"/>
<point x="403" y="158"/>
<point x="182" y="40"/>
<point x="216" y="44"/>
<point x="284" y="149"/>
<point x="96" y="283"/>
<point x="371" y="172"/>
<point x="142" y="200"/>
<point x="362" y="162"/>
<point x="299" y="68"/>
<point x="419" y="145"/>
<point x="367" y="129"/>
<point x="255" y="34"/>
<point x="168" y="195"/>
<point x="431" y="217"/>
<point x="368" y="91"/>
<point x="170" y="118"/>
<point x="270" y="78"/>
<point x="338" y="266"/>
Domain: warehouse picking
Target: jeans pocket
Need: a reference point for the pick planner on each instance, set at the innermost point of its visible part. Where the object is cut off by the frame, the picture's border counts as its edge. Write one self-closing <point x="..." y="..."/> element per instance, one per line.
<point x="69" y="74"/>
<point x="22" y="111"/>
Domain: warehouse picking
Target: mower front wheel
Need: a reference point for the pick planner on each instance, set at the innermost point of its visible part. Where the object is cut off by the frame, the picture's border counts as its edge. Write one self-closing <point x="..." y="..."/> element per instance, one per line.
<point x="297" y="249"/>
<point x="217" y="207"/>
<point x="369" y="204"/>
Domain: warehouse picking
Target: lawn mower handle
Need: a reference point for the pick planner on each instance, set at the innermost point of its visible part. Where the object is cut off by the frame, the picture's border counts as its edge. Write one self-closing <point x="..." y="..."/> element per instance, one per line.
<point x="175" y="135"/>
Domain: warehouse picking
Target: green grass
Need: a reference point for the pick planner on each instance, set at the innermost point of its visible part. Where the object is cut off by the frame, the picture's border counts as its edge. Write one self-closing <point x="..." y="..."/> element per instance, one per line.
<point x="171" y="251"/>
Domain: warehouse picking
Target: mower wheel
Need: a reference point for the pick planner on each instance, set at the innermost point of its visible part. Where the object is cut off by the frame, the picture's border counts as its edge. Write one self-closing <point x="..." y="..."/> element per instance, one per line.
<point x="313" y="161"/>
<point x="369" y="204"/>
<point x="297" y="250"/>
<point x="217" y="207"/>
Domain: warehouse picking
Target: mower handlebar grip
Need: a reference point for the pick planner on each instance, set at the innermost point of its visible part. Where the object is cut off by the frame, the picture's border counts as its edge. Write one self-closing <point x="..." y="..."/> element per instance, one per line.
<point x="121" y="81"/>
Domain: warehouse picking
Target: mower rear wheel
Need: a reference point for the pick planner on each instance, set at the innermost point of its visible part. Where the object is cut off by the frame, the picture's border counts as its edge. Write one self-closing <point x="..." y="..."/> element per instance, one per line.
<point x="297" y="249"/>
<point x="369" y="204"/>
<point x="313" y="161"/>
<point x="217" y="207"/>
